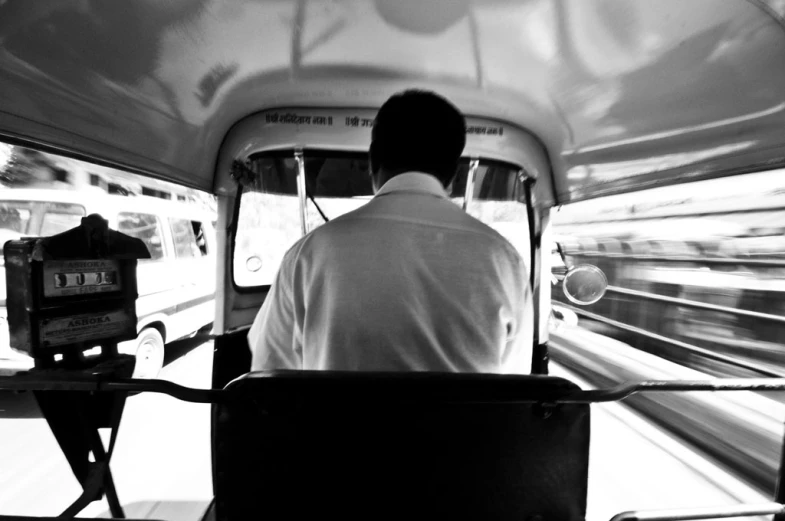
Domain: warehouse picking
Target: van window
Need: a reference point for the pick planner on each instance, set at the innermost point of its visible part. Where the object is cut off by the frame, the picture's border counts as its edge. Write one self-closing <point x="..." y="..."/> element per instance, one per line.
<point x="15" y="216"/>
<point x="59" y="217"/>
<point x="146" y="227"/>
<point x="201" y="240"/>
<point x="184" y="239"/>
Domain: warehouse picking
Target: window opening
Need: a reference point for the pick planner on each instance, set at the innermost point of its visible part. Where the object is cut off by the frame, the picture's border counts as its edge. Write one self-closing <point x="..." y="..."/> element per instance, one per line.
<point x="288" y="193"/>
<point x="185" y="245"/>
<point x="61" y="175"/>
<point x="15" y="216"/>
<point x="145" y="227"/>
<point x="201" y="241"/>
<point x="59" y="217"/>
<point x="152" y="192"/>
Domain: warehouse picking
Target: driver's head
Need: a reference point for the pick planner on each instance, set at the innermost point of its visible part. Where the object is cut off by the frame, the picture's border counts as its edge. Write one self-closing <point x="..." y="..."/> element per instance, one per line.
<point x="418" y="131"/>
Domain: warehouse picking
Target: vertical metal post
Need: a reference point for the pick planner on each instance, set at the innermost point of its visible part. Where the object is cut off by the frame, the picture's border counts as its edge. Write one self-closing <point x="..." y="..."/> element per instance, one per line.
<point x="301" y="195"/>
<point x="779" y="494"/>
<point x="468" y="194"/>
<point x="540" y="355"/>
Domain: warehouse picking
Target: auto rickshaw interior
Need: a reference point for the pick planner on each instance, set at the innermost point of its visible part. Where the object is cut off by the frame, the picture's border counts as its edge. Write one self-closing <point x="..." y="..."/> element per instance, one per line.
<point x="269" y="106"/>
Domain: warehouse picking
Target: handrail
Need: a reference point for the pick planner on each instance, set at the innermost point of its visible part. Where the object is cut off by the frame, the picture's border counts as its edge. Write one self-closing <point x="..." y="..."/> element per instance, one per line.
<point x="13" y="517"/>
<point x="625" y="390"/>
<point x="677" y="343"/>
<point x="683" y="514"/>
<point x="25" y="382"/>
<point x="696" y="305"/>
<point x="681" y="258"/>
<point x="689" y="303"/>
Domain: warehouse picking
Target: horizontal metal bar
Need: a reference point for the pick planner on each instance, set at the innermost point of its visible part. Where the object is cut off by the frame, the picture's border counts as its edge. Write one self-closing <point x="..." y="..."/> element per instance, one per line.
<point x="683" y="514"/>
<point x="65" y="383"/>
<point x="188" y="394"/>
<point x="52" y="518"/>
<point x="181" y="392"/>
<point x="626" y="390"/>
<point x="677" y="343"/>
<point x="697" y="305"/>
<point x="679" y="215"/>
<point x="681" y="258"/>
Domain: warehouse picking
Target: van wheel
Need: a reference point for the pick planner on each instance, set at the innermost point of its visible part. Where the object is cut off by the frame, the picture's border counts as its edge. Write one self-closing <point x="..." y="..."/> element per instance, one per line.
<point x="149" y="353"/>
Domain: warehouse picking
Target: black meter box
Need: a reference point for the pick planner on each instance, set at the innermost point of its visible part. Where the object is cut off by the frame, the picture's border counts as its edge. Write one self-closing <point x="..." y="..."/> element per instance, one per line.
<point x="72" y="291"/>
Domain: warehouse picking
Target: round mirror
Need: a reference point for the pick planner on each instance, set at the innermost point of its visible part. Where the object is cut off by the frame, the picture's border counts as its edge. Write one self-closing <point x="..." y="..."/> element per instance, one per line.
<point x="584" y="284"/>
<point x="253" y="263"/>
<point x="420" y="17"/>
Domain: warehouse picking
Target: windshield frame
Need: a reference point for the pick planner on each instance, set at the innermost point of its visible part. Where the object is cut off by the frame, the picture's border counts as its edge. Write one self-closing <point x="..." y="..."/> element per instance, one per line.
<point x="524" y="195"/>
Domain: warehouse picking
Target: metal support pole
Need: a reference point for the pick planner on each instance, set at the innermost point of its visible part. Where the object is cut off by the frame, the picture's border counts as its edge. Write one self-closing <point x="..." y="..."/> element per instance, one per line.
<point x="540" y="354"/>
<point x="468" y="194"/>
<point x="301" y="195"/>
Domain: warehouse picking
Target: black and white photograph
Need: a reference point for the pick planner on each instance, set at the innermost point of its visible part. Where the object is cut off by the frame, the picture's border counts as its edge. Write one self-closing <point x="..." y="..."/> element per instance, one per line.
<point x="392" y="259"/>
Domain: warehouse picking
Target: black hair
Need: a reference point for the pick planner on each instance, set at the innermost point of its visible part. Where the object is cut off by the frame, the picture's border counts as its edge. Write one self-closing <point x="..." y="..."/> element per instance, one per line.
<point x="417" y="130"/>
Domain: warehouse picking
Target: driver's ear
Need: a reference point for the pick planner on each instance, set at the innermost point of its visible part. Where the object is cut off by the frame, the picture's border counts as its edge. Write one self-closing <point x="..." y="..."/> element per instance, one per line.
<point x="373" y="158"/>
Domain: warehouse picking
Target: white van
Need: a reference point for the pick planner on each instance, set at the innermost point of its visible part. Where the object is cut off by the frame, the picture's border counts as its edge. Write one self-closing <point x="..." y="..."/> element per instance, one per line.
<point x="176" y="285"/>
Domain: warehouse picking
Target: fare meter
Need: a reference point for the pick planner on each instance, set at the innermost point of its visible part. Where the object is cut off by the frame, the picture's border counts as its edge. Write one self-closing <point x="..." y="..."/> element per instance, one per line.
<point x="67" y="294"/>
<point x="72" y="292"/>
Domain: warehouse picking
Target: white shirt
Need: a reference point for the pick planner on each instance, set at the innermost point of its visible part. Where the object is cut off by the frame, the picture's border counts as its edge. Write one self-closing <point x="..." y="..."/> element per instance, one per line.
<point x="408" y="282"/>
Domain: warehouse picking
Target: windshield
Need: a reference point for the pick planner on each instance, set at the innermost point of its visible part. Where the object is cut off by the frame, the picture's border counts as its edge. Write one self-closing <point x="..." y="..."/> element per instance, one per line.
<point x="269" y="220"/>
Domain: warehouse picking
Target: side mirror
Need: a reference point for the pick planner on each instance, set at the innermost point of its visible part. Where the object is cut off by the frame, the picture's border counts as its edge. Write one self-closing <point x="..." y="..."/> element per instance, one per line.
<point x="253" y="263"/>
<point x="584" y="284"/>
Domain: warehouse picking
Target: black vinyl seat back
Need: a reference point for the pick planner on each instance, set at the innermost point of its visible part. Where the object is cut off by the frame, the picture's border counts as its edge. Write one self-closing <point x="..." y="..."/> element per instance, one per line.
<point x="334" y="445"/>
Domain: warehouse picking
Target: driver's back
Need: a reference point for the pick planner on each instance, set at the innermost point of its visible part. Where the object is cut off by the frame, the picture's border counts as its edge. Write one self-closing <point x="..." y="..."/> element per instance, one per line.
<point x="409" y="282"/>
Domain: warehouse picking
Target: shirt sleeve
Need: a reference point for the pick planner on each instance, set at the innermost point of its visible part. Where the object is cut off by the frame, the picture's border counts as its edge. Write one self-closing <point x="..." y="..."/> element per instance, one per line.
<point x="518" y="352"/>
<point x="273" y="337"/>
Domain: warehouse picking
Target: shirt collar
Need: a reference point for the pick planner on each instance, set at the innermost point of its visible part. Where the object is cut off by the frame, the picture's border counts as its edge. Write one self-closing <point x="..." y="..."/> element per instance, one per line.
<point x="413" y="182"/>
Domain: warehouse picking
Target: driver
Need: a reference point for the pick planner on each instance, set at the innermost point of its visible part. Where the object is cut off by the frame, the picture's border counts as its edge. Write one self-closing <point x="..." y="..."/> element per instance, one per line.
<point x="408" y="282"/>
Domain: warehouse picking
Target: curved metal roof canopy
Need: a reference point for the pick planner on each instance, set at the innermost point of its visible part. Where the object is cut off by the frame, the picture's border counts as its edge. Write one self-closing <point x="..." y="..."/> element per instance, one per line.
<point x="623" y="95"/>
